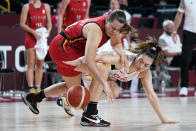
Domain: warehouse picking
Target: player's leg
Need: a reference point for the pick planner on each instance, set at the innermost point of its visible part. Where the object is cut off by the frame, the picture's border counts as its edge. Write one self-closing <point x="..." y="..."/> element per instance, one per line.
<point x="38" y="74"/>
<point x="90" y="115"/>
<point x="31" y="99"/>
<point x="30" y="53"/>
<point x="62" y="100"/>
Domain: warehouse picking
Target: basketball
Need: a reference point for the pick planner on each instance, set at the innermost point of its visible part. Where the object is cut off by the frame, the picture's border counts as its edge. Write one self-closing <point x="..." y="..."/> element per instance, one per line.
<point x="78" y="97"/>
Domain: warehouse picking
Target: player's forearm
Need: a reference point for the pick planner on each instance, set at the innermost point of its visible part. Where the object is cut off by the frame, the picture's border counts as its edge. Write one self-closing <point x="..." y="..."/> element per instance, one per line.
<point x="118" y="49"/>
<point x="156" y="106"/>
<point x="108" y="59"/>
<point x="27" y="28"/>
<point x="170" y="54"/>
<point x="91" y="64"/>
<point x="59" y="23"/>
<point x="49" y="27"/>
<point x="178" y="20"/>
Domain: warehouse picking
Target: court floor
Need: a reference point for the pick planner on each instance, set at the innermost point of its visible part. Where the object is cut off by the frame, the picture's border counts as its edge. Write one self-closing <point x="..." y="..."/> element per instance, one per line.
<point x="133" y="114"/>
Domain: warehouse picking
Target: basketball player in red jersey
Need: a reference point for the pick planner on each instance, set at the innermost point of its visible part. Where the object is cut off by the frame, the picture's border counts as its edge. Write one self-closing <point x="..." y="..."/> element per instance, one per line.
<point x="34" y="15"/>
<point x="71" y="11"/>
<point x="82" y="39"/>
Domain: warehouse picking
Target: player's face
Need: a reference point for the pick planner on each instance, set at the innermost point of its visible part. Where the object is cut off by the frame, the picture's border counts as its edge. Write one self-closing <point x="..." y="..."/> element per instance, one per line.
<point x="114" y="5"/>
<point x="34" y="1"/>
<point x="142" y="63"/>
<point x="113" y="28"/>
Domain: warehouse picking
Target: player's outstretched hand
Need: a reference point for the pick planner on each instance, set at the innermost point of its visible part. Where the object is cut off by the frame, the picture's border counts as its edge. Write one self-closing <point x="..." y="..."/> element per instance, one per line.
<point x="170" y="122"/>
<point x="108" y="91"/>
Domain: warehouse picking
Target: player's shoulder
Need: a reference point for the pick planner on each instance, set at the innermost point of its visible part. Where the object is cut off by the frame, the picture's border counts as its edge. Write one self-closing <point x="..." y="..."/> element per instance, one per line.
<point x="26" y="6"/>
<point x="46" y="5"/>
<point x="93" y="26"/>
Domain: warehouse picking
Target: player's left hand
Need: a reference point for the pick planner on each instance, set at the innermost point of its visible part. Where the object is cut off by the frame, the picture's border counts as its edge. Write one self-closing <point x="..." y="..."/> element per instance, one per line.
<point x="170" y="122"/>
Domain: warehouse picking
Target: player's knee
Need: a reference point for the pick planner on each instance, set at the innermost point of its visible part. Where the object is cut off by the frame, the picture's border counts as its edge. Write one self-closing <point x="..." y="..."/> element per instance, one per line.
<point x="39" y="67"/>
<point x="30" y="66"/>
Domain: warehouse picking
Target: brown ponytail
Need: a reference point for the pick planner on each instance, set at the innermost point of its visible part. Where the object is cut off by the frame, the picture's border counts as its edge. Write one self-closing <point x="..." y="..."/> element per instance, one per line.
<point x="149" y="47"/>
<point x="126" y="29"/>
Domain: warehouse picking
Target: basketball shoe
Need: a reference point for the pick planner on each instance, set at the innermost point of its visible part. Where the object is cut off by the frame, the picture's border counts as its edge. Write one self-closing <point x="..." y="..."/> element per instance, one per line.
<point x="183" y="91"/>
<point x="63" y="103"/>
<point x="93" y="120"/>
<point x="32" y="90"/>
<point x="29" y="100"/>
<point x="38" y="89"/>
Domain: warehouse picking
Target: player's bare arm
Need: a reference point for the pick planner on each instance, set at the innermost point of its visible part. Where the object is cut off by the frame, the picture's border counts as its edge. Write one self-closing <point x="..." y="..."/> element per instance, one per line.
<point x="49" y="22"/>
<point x="23" y="20"/>
<point x="146" y="78"/>
<point x="61" y="12"/>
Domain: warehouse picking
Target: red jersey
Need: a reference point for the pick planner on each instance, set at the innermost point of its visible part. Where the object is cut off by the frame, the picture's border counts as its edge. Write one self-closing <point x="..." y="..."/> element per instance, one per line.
<point x="70" y="45"/>
<point x="36" y="18"/>
<point x="75" y="39"/>
<point x="76" y="10"/>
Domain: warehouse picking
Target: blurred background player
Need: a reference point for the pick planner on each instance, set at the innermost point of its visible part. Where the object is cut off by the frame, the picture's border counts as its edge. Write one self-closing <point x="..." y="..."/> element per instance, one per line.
<point x="34" y="15"/>
<point x="71" y="11"/>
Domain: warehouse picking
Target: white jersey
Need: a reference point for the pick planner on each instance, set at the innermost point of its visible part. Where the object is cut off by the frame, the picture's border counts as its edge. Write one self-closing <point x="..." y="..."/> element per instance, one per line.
<point x="121" y="74"/>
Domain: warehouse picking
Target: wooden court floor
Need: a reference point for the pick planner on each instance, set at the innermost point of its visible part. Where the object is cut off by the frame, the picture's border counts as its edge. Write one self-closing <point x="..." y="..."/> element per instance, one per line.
<point x="133" y="114"/>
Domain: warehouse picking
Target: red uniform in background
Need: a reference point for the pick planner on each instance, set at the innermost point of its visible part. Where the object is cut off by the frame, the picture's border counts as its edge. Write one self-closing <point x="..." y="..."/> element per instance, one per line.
<point x="36" y="18"/>
<point x="72" y="45"/>
<point x="75" y="11"/>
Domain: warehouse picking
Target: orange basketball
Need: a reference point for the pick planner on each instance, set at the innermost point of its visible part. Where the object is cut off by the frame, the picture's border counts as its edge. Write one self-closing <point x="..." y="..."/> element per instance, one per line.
<point x="78" y="97"/>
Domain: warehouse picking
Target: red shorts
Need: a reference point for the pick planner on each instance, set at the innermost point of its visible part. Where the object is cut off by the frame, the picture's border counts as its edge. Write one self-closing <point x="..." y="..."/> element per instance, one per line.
<point x="30" y="41"/>
<point x="58" y="55"/>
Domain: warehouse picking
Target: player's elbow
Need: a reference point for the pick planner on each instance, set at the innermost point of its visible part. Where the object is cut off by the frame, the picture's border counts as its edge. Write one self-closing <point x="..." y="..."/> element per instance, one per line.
<point x="22" y="25"/>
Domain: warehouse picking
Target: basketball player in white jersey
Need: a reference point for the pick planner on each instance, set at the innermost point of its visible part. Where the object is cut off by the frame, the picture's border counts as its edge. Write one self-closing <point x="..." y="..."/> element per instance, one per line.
<point x="140" y="59"/>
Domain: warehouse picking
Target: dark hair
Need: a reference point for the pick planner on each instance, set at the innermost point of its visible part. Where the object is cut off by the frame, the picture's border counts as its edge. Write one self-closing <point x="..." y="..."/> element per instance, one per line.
<point x="120" y="16"/>
<point x="150" y="48"/>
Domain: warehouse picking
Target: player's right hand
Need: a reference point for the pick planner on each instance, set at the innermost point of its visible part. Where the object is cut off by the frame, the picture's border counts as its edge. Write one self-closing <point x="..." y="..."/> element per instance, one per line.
<point x="108" y="91"/>
<point x="37" y="35"/>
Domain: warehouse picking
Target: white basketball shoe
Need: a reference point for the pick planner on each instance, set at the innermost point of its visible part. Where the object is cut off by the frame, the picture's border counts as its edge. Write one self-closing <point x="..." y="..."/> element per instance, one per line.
<point x="183" y="91"/>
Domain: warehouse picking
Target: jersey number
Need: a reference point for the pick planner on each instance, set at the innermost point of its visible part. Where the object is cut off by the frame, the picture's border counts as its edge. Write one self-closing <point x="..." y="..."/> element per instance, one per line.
<point x="39" y="25"/>
<point x="78" y="17"/>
